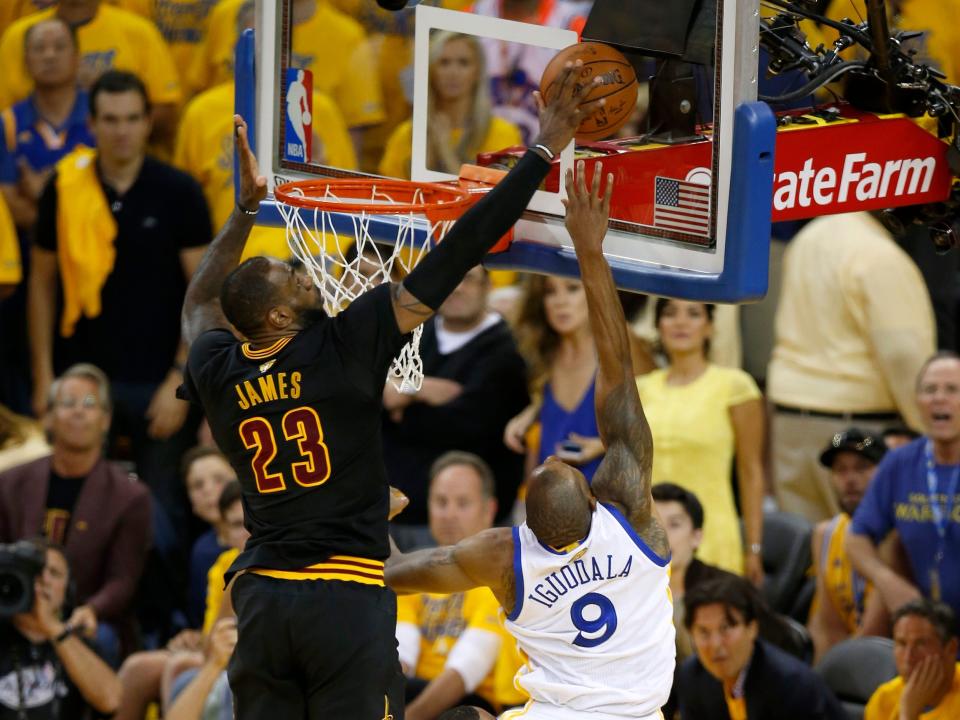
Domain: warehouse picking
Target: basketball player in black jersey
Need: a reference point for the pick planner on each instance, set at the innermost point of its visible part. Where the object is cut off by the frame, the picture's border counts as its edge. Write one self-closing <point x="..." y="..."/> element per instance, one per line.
<point x="296" y="407"/>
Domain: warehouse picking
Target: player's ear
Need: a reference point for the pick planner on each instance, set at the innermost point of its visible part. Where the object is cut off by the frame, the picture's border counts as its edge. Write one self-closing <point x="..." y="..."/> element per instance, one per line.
<point x="280" y="316"/>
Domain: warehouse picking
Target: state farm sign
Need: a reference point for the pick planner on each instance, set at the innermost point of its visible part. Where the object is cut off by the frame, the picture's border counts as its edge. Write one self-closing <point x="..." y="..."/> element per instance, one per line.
<point x="857" y="166"/>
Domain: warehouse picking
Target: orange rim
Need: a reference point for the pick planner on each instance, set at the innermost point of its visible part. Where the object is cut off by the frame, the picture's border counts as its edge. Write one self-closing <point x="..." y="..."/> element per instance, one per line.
<point x="355" y="195"/>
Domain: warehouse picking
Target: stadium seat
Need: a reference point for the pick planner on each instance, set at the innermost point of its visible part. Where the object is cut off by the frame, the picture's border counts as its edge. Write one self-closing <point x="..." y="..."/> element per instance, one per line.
<point x="855" y="668"/>
<point x="786" y="558"/>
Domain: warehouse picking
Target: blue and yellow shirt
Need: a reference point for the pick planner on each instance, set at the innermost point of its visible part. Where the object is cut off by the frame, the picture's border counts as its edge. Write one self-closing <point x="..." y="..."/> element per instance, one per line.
<point x="29" y="136"/>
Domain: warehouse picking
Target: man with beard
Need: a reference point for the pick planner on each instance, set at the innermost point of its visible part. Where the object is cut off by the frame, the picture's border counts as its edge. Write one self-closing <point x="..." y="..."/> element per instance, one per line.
<point x="296" y="408"/>
<point x="844" y="605"/>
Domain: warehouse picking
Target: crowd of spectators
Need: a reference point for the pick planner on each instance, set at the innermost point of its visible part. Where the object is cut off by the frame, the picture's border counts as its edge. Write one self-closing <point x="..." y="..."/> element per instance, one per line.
<point x="116" y="168"/>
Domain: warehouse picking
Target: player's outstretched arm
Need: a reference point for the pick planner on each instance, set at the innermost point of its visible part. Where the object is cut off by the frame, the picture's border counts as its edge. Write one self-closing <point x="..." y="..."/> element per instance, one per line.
<point x="472" y="236"/>
<point x="201" y="305"/>
<point x="623" y="477"/>
<point x="481" y="560"/>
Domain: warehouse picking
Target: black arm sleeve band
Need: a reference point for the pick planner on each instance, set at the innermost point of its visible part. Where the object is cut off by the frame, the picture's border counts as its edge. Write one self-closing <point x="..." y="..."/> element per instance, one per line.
<point x="444" y="267"/>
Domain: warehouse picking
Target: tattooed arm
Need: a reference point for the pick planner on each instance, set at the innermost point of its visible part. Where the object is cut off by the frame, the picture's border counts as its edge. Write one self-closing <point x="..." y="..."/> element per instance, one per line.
<point x="201" y="304"/>
<point x="481" y="560"/>
<point x="623" y="478"/>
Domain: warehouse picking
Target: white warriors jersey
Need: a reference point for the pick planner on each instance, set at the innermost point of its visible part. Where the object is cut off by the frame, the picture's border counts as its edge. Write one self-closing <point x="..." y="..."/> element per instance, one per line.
<point x="595" y="624"/>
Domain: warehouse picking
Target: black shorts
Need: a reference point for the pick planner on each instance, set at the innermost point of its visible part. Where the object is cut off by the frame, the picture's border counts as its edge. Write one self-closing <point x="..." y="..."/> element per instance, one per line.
<point x="319" y="649"/>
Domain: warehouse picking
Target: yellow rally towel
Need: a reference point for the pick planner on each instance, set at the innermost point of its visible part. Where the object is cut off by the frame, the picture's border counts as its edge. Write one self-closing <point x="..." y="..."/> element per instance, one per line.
<point x="86" y="231"/>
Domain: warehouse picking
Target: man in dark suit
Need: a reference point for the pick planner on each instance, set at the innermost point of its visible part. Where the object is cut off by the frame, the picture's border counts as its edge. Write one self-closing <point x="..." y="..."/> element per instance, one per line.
<point x="75" y="498"/>
<point x="475" y="381"/>
<point x="737" y="676"/>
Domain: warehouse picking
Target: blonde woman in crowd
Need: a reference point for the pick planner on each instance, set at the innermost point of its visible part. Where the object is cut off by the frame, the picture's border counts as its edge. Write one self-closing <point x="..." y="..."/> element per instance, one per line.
<point x="460" y="121"/>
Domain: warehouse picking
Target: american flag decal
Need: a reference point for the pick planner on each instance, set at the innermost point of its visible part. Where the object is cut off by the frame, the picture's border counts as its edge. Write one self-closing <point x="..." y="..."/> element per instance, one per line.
<point x="681" y="206"/>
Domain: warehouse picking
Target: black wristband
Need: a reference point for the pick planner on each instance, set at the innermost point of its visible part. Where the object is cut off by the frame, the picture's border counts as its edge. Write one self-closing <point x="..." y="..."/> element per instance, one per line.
<point x="472" y="236"/>
<point x="242" y="209"/>
<point x="68" y="630"/>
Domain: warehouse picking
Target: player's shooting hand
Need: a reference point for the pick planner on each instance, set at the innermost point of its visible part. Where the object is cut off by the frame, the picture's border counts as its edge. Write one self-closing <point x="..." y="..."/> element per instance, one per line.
<point x="253" y="185"/>
<point x="587" y="210"/>
<point x="222" y="641"/>
<point x="166" y="414"/>
<point x="920" y="687"/>
<point x="562" y="113"/>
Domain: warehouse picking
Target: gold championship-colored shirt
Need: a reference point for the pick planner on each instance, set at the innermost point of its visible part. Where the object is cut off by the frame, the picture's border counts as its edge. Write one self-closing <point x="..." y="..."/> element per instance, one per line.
<point x="441" y="619"/>
<point x="885" y="702"/>
<point x="115" y="39"/>
<point x="331" y="45"/>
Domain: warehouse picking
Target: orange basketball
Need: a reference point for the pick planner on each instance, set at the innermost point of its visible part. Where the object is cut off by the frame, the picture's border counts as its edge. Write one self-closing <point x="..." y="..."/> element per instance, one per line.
<point x="619" y="86"/>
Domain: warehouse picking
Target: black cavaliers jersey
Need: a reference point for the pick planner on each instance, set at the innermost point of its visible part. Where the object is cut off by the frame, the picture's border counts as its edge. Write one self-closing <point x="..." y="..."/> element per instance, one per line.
<point x="300" y="423"/>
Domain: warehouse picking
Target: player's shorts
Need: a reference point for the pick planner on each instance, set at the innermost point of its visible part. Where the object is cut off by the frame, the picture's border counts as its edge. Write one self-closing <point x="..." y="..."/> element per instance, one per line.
<point x="542" y="711"/>
<point x="315" y="649"/>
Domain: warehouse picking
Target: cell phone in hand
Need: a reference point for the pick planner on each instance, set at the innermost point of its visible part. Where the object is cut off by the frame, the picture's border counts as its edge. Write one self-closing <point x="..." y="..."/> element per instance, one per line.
<point x="570" y="447"/>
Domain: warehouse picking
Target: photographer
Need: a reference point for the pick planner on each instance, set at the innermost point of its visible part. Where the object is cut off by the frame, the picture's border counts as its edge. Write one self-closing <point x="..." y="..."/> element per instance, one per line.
<point x="46" y="671"/>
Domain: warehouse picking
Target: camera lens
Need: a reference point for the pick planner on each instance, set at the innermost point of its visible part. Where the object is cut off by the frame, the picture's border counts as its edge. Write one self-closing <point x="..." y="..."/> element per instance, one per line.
<point x="12" y="592"/>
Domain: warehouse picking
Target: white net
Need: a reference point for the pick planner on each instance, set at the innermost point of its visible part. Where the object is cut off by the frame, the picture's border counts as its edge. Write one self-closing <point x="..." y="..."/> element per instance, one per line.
<point x="348" y="253"/>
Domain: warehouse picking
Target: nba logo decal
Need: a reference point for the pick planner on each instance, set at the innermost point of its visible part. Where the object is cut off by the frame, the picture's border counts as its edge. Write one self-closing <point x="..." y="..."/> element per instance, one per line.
<point x="298" y="137"/>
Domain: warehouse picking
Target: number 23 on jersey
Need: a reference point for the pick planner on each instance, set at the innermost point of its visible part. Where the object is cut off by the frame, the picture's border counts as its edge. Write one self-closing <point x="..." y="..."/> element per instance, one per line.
<point x="300" y="425"/>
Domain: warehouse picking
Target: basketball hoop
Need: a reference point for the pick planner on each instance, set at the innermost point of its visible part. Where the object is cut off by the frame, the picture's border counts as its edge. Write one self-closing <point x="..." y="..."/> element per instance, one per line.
<point x="345" y="263"/>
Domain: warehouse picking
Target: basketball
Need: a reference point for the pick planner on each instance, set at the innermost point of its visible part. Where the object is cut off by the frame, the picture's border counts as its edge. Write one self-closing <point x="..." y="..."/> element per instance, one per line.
<point x="618" y="87"/>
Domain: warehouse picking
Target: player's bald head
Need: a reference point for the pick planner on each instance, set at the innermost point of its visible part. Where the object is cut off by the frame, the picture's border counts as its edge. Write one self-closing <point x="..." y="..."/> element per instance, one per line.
<point x="559" y="503"/>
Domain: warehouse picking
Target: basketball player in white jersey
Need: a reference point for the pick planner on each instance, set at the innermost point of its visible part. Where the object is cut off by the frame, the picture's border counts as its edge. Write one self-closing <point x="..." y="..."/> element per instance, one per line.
<point x="584" y="580"/>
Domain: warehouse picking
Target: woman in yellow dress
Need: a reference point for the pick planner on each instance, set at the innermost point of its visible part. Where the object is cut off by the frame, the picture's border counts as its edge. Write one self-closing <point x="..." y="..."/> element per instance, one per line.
<point x="702" y="416"/>
<point x="460" y="120"/>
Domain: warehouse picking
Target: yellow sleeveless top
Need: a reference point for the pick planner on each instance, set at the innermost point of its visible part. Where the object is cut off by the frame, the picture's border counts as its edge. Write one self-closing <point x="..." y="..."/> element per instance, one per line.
<point x="845" y="588"/>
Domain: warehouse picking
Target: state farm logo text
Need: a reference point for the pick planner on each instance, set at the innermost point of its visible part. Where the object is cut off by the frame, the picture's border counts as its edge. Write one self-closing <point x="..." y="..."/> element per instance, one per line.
<point x="858" y="181"/>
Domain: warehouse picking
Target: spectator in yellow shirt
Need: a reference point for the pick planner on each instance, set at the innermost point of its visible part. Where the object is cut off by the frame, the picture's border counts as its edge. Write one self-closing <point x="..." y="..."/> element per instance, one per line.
<point x="328" y="43"/>
<point x="460" y="121"/>
<point x="450" y="645"/>
<point x="845" y="604"/>
<point x="109" y="38"/>
<point x="927" y="686"/>
<point x="204" y="149"/>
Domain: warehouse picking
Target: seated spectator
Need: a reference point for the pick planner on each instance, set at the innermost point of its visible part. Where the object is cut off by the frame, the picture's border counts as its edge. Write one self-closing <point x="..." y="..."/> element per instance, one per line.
<point x="206" y="472"/>
<point x="21" y="440"/>
<point x="148" y="676"/>
<point x="844" y="605"/>
<point x="449" y="645"/>
<point x="204" y="149"/>
<point x="329" y="43"/>
<point x="682" y="517"/>
<point x="46" y="669"/>
<point x="915" y="493"/>
<point x="927" y="686"/>
<point x="553" y="333"/>
<point x="47" y="124"/>
<point x="92" y="507"/>
<point x="461" y="124"/>
<point x="207" y="695"/>
<point x="703" y="418"/>
<point x="109" y="38"/>
<point x="142" y="226"/>
<point x="736" y="675"/>
<point x="474" y="382"/>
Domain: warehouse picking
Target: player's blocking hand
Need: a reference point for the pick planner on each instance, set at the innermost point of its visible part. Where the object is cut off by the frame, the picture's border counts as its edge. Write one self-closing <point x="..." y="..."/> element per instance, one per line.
<point x="253" y="185"/>
<point x="588" y="211"/>
<point x="561" y="114"/>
